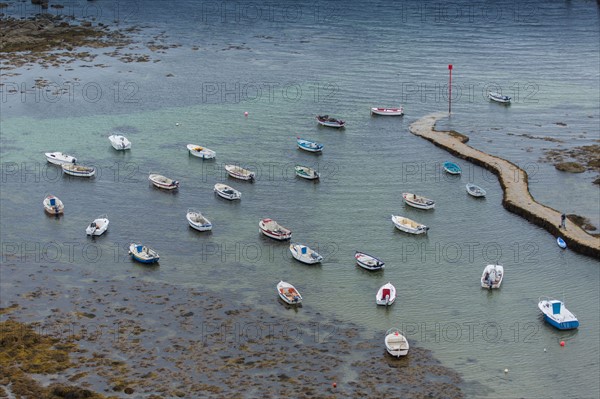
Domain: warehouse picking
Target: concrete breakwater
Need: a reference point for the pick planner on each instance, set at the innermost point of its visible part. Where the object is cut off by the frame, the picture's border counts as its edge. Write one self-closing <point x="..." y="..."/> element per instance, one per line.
<point x="517" y="198"/>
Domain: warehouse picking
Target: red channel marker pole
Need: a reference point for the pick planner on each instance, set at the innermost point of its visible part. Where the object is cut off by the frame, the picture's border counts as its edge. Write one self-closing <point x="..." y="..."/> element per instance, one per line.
<point x="450" y="90"/>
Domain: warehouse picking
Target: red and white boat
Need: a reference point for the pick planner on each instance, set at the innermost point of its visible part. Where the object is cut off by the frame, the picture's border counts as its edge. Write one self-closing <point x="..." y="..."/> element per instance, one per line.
<point x="386" y="295"/>
<point x="272" y="229"/>
<point x="388" y="111"/>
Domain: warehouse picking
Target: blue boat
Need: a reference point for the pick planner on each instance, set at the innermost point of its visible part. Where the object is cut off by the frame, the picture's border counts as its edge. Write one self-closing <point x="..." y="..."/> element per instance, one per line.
<point x="561" y="243"/>
<point x="143" y="254"/>
<point x="309" y="146"/>
<point x="452" y="168"/>
<point x="557" y="315"/>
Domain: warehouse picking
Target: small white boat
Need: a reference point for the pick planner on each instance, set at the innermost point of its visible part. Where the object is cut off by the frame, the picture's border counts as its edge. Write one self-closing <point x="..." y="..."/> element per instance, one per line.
<point x="288" y="293"/>
<point x="387" y="111"/>
<point x="368" y="262"/>
<point x="499" y="98"/>
<point x="326" y="120"/>
<point x="417" y="201"/>
<point x="59" y="158"/>
<point x="272" y="229"/>
<point x="163" y="182"/>
<point x="197" y="220"/>
<point x="557" y="315"/>
<point x="224" y="191"/>
<point x="238" y="172"/>
<point x="408" y="225"/>
<point x="308" y="145"/>
<point x="53" y="205"/>
<point x="396" y="343"/>
<point x="78" y="170"/>
<point x="201" y="152"/>
<point x="143" y="254"/>
<point x="98" y="226"/>
<point x="386" y="295"/>
<point x="119" y="142"/>
<point x="306" y="173"/>
<point x="492" y="276"/>
<point x="475" y="190"/>
<point x="561" y="243"/>
<point x="304" y="254"/>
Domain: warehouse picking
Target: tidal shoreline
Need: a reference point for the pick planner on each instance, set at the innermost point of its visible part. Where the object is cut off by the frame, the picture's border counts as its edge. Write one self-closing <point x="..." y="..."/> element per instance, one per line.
<point x="514" y="182"/>
<point x="132" y="338"/>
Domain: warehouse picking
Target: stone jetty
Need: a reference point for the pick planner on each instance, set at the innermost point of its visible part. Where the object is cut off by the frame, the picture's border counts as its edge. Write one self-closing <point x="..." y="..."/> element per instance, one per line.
<point x="513" y="180"/>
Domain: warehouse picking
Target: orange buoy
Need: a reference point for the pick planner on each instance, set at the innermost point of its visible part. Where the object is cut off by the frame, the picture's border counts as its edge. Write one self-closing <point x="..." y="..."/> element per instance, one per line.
<point x="562" y="343"/>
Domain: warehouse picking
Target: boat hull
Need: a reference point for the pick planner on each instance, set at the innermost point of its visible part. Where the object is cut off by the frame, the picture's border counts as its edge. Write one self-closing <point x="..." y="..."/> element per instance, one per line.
<point x="561" y="243"/>
<point x="276" y="236"/>
<point x="309" y="146"/>
<point x="475" y="191"/>
<point x="418" y="202"/>
<point x="52" y="210"/>
<point x="119" y="143"/>
<point x="163" y="182"/>
<point x="368" y="262"/>
<point x="57" y="209"/>
<point x="200" y="227"/>
<point x="499" y="98"/>
<point x="569" y="325"/>
<point x="310" y="149"/>
<point x="407" y="226"/>
<point x="145" y="255"/>
<point x="307" y="258"/>
<point x="386" y="295"/>
<point x="492" y="276"/>
<point x="143" y="260"/>
<point x="78" y="170"/>
<point x="396" y="344"/>
<point x="97" y="231"/>
<point x="204" y="226"/>
<point x="563" y="319"/>
<point x="203" y="153"/>
<point x="306" y="173"/>
<point x="452" y="168"/>
<point x="239" y="173"/>
<point x="387" y="111"/>
<point x="330" y="122"/>
<point x="272" y="229"/>
<point x="227" y="192"/>
<point x="293" y="297"/>
<point x="58" y="158"/>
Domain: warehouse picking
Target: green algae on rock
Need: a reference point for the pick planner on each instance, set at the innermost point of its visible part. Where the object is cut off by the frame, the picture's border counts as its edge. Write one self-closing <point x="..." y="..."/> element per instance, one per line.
<point x="23" y="351"/>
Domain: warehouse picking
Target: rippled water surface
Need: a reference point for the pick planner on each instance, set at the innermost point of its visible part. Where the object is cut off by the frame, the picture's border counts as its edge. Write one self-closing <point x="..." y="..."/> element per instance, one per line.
<point x="283" y="65"/>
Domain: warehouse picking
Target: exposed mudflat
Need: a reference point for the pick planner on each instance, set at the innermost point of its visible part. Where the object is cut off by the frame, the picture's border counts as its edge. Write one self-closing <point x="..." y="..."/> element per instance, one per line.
<point x="139" y="338"/>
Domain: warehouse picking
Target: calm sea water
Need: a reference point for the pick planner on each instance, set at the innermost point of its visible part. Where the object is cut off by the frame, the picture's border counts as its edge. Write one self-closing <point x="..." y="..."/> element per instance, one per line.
<point x="284" y="64"/>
